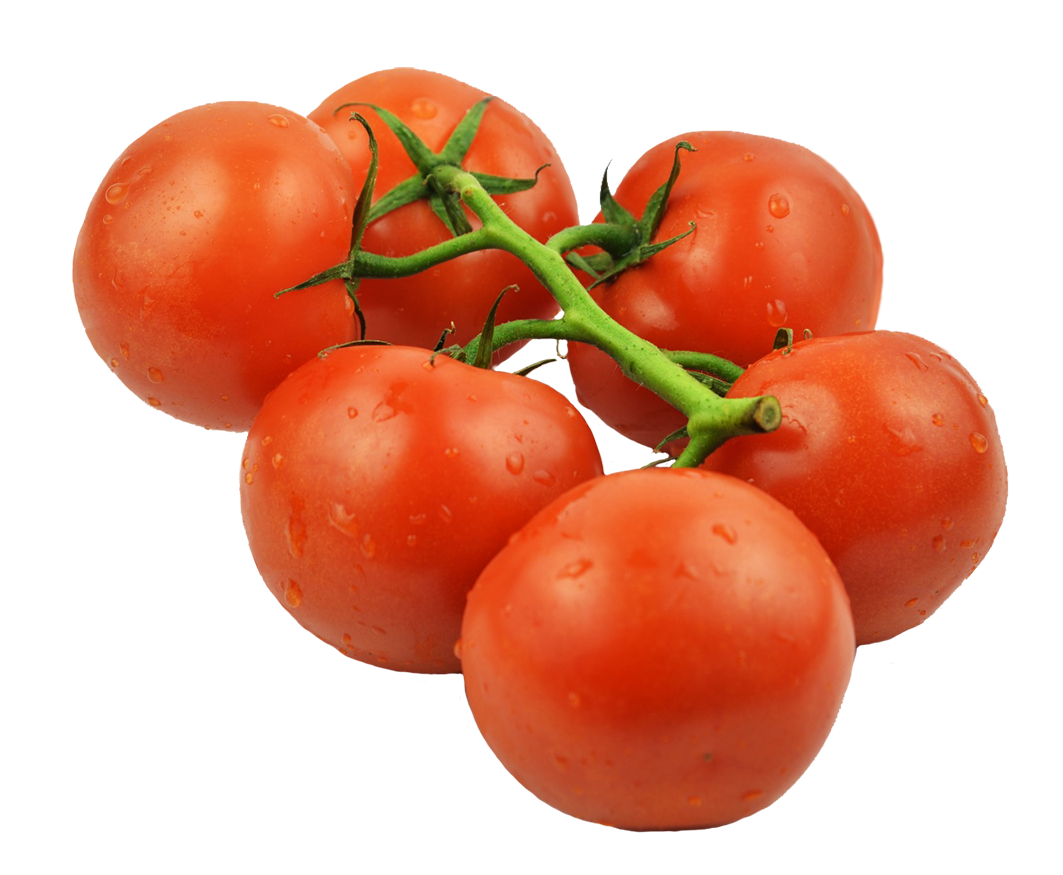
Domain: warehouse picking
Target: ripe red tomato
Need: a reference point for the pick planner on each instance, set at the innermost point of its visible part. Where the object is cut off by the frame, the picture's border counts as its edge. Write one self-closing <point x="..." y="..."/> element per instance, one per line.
<point x="192" y="231"/>
<point x="416" y="310"/>
<point x="889" y="452"/>
<point x="658" y="649"/>
<point x="378" y="481"/>
<point x="781" y="240"/>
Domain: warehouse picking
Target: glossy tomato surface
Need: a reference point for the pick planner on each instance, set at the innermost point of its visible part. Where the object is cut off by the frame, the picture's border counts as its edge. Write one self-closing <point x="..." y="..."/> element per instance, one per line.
<point x="658" y="649"/>
<point x="890" y="453"/>
<point x="417" y="309"/>
<point x="781" y="239"/>
<point x="193" y="230"/>
<point x="378" y="481"/>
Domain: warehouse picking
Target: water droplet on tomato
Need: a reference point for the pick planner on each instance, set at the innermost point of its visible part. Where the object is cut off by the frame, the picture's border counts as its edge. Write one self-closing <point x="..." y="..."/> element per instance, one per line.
<point x="752" y="795"/>
<point x="917" y="360"/>
<point x="983" y="400"/>
<point x="296" y="534"/>
<point x="445" y="513"/>
<point x="546" y="478"/>
<point x="116" y="193"/>
<point x="770" y="229"/>
<point x="938" y="543"/>
<point x="293" y="594"/>
<point x="910" y="602"/>
<point x="903" y="441"/>
<point x="423" y="108"/>
<point x="154" y="402"/>
<point x="722" y="530"/>
<point x="277" y="460"/>
<point x="776" y="313"/>
<point x="368" y="546"/>
<point x="747" y="283"/>
<point x="938" y="419"/>
<point x="576" y="569"/>
<point x="452" y="452"/>
<point x="277" y="120"/>
<point x="155" y="375"/>
<point x="749" y="156"/>
<point x="383" y="412"/>
<point x="108" y="219"/>
<point x="778" y="206"/>
<point x="418" y="519"/>
<point x="979" y="442"/>
<point x="343" y="520"/>
<point x="411" y="540"/>
<point x="845" y="209"/>
<point x="515" y="463"/>
<point x="694" y="801"/>
<point x="759" y="244"/>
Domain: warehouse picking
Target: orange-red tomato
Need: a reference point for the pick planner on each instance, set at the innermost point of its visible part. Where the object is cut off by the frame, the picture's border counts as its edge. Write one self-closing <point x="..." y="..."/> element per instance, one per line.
<point x="890" y="453"/>
<point x="378" y="481"/>
<point x="658" y="649"/>
<point x="416" y="310"/>
<point x="193" y="230"/>
<point x="781" y="239"/>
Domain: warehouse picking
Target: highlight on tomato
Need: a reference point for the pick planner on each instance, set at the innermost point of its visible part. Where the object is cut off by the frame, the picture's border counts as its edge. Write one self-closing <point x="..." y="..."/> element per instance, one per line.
<point x="415" y="310"/>
<point x="378" y="481"/>
<point x="193" y="230"/>
<point x="658" y="649"/>
<point x="890" y="453"/>
<point x="780" y="239"/>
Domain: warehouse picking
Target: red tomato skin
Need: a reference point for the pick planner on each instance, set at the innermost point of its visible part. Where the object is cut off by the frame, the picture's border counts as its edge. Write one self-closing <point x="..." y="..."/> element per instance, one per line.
<point x="781" y="240"/>
<point x="415" y="310"/>
<point x="192" y="231"/>
<point x="658" y="649"/>
<point x="890" y="453"/>
<point x="378" y="481"/>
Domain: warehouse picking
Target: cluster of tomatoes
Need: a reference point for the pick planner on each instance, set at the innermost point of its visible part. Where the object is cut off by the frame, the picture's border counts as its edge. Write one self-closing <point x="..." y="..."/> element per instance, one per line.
<point x="655" y="649"/>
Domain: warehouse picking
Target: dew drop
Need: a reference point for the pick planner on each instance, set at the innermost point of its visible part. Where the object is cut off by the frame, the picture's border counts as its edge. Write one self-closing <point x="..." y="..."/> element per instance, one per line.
<point x="277" y="460"/>
<point x="916" y="360"/>
<point x="108" y="219"/>
<point x="938" y="543"/>
<point x="778" y="206"/>
<point x="722" y="530"/>
<point x="903" y="441"/>
<point x="114" y="363"/>
<point x="979" y="442"/>
<point x="845" y="209"/>
<point x="343" y="520"/>
<point x="938" y="420"/>
<point x="267" y="440"/>
<point x="123" y="348"/>
<point x="293" y="595"/>
<point x="770" y="229"/>
<point x="776" y="313"/>
<point x="352" y="412"/>
<point x="368" y="546"/>
<point x="277" y="120"/>
<point x="418" y="519"/>
<point x="983" y="400"/>
<point x="383" y="412"/>
<point x="423" y="108"/>
<point x="577" y="568"/>
<point x="759" y="244"/>
<point x="154" y="402"/>
<point x="451" y="452"/>
<point x="747" y="283"/>
<point x="751" y="795"/>
<point x="694" y="801"/>
<point x="116" y="193"/>
<point x="544" y="477"/>
<point x="155" y="375"/>
<point x="749" y="156"/>
<point x="296" y="535"/>
<point x="515" y="463"/>
<point x="910" y="603"/>
<point x="445" y="513"/>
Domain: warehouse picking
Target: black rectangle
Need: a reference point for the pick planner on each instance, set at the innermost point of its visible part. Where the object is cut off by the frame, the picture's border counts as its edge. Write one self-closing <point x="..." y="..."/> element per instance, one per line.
<point x="933" y="179"/>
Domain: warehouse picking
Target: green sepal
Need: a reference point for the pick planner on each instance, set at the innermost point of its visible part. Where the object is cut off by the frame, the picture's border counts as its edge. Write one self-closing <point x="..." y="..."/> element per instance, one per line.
<point x="527" y="369"/>
<point x="485" y="351"/>
<point x="784" y="339"/>
<point x="674" y="436"/>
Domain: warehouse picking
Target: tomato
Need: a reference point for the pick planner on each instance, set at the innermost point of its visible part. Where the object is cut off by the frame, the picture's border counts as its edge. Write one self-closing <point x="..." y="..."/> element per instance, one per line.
<point x="378" y="481"/>
<point x="658" y="649"/>
<point x="417" y="309"/>
<point x="890" y="453"/>
<point x="192" y="231"/>
<point x="781" y="240"/>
